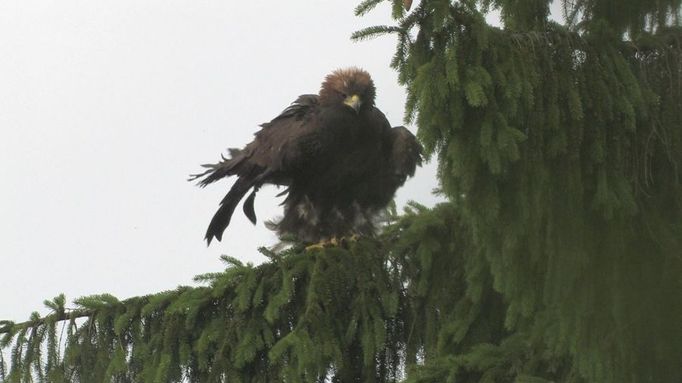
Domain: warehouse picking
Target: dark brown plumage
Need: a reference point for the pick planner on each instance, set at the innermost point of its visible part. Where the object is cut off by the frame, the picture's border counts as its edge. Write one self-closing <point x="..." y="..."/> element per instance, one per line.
<point x="314" y="215"/>
<point x="336" y="154"/>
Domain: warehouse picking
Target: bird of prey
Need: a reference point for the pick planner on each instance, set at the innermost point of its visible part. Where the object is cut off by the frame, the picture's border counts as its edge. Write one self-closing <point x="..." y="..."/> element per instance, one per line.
<point x="313" y="217"/>
<point x="335" y="152"/>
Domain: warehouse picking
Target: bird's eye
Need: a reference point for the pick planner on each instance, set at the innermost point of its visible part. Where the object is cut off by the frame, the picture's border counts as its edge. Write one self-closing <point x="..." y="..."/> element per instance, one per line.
<point x="344" y="95"/>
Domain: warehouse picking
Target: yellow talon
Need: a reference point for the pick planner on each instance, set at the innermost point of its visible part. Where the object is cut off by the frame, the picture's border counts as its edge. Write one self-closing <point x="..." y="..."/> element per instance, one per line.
<point x="325" y="243"/>
<point x="319" y="246"/>
<point x="346" y="241"/>
<point x="316" y="246"/>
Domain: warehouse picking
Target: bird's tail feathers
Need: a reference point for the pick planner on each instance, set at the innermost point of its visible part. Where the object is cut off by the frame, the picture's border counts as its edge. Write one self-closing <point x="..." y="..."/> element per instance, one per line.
<point x="222" y="217"/>
<point x="248" y="208"/>
<point x="225" y="168"/>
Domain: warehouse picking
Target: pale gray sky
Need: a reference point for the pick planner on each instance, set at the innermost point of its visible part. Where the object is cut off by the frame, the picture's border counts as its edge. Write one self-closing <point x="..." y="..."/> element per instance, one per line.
<point x="107" y="106"/>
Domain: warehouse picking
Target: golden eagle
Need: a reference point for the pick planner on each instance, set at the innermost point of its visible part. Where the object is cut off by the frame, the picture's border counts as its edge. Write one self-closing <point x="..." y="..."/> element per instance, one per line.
<point x="317" y="214"/>
<point x="335" y="152"/>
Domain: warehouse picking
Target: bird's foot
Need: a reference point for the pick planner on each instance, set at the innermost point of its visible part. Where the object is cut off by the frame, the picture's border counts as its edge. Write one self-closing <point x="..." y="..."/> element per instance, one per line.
<point x="323" y="244"/>
<point x="334" y="242"/>
<point x="315" y="246"/>
<point x="354" y="238"/>
<point x="345" y="241"/>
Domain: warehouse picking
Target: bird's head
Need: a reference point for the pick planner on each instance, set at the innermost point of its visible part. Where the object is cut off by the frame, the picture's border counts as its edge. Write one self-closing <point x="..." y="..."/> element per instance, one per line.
<point x="352" y="87"/>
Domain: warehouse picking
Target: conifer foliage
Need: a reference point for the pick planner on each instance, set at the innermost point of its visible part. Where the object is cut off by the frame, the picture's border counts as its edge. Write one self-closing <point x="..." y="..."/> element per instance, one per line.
<point x="560" y="148"/>
<point x="557" y="258"/>
<point x="345" y="315"/>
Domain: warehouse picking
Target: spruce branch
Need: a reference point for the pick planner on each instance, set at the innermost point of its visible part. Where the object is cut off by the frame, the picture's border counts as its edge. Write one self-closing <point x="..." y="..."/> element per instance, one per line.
<point x="87" y="307"/>
<point x="375" y="31"/>
<point x="9" y="327"/>
<point x="365" y="7"/>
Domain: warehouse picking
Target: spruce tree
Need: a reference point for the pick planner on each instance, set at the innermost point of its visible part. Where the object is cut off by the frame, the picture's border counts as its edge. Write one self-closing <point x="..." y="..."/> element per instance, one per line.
<point x="557" y="258"/>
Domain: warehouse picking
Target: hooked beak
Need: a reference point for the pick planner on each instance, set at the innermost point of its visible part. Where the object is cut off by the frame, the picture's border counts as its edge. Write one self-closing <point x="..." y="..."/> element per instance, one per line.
<point x="354" y="102"/>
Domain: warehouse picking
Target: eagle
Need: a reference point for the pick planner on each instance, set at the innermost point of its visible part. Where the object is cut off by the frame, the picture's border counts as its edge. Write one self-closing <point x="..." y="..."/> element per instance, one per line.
<point x="336" y="154"/>
<point x="314" y="216"/>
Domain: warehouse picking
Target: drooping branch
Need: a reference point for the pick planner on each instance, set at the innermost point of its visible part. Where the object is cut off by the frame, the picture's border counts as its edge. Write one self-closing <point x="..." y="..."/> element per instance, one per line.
<point x="11" y="327"/>
<point x="312" y="313"/>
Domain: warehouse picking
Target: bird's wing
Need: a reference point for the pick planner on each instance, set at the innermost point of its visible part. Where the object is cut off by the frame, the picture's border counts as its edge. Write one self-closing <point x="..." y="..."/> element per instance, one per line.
<point x="283" y="146"/>
<point x="406" y="152"/>
<point x="303" y="104"/>
<point x="305" y="140"/>
<point x="264" y="152"/>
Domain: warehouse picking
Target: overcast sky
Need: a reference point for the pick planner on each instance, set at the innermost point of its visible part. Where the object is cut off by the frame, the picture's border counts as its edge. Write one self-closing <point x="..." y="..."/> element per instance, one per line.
<point x="107" y="106"/>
